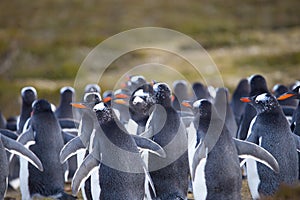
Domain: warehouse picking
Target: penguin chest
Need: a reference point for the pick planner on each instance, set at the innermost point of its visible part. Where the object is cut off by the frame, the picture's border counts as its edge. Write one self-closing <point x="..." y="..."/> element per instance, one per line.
<point x="199" y="183"/>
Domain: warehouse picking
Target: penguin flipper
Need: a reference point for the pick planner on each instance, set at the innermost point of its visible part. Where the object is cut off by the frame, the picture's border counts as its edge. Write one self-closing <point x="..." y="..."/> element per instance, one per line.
<point x="9" y="133"/>
<point x="67" y="136"/>
<point x="71" y="148"/>
<point x="88" y="165"/>
<point x="149" y="145"/>
<point x="200" y="153"/>
<point x="148" y="133"/>
<point x="17" y="148"/>
<point x="27" y="137"/>
<point x="68" y="123"/>
<point x="247" y="149"/>
<point x="297" y="141"/>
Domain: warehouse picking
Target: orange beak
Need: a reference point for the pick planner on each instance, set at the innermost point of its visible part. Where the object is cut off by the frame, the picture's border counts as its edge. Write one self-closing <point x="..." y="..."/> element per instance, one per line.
<point x="106" y="99"/>
<point x="186" y="104"/>
<point x="121" y="96"/>
<point x="78" y="105"/>
<point x="245" y="99"/>
<point x="285" y="96"/>
<point x="120" y="101"/>
<point x="172" y="98"/>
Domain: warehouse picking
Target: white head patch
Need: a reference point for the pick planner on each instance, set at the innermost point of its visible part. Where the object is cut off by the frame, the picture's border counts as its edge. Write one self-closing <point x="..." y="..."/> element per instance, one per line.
<point x="141" y="93"/>
<point x="137" y="99"/>
<point x="28" y="88"/>
<point x="262" y="97"/>
<point x="62" y="90"/>
<point x="91" y="93"/>
<point x="99" y="106"/>
<point x="196" y="104"/>
<point x="135" y="79"/>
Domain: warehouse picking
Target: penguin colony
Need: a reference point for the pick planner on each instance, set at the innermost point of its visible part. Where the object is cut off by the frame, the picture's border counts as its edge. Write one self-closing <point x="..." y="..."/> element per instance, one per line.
<point x="144" y="141"/>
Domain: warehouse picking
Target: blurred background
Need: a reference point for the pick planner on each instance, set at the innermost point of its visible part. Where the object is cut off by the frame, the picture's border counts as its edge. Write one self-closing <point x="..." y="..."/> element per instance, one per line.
<point x="43" y="43"/>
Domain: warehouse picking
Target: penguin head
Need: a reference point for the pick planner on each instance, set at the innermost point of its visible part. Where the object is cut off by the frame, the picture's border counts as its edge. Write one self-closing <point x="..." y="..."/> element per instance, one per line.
<point x="258" y="85"/>
<point x="135" y="81"/>
<point x="162" y="94"/>
<point x="67" y="93"/>
<point x="180" y="88"/>
<point x="205" y="109"/>
<point x="29" y="95"/>
<point x="40" y="106"/>
<point x="103" y="112"/>
<point x="140" y="100"/>
<point x="295" y="93"/>
<point x="91" y="99"/>
<point x="262" y="103"/>
<point x="92" y="88"/>
<point x="279" y="89"/>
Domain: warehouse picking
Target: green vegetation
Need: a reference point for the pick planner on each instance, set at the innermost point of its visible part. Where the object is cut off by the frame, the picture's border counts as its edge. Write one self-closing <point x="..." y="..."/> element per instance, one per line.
<point x="42" y="43"/>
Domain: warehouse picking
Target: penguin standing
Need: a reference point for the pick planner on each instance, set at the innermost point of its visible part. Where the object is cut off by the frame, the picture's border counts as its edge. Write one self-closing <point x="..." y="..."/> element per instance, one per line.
<point x="170" y="174"/>
<point x="221" y="103"/>
<point x="122" y="171"/>
<point x="271" y="131"/>
<point x="258" y="85"/>
<point x="49" y="140"/>
<point x="180" y="89"/>
<point x="17" y="148"/>
<point x="201" y="91"/>
<point x="64" y="110"/>
<point x="140" y="104"/>
<point x="295" y="126"/>
<point x="214" y="160"/>
<point x="238" y="107"/>
<point x="29" y="95"/>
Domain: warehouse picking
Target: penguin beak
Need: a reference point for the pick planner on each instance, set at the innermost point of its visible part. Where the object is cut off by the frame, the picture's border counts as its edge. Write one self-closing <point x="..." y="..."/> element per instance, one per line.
<point x="79" y="105"/>
<point x="186" y="104"/>
<point x="286" y="96"/>
<point x="245" y="99"/>
<point x="123" y="85"/>
<point x="107" y="99"/>
<point x="172" y="98"/>
<point x="120" y="101"/>
<point x="121" y="96"/>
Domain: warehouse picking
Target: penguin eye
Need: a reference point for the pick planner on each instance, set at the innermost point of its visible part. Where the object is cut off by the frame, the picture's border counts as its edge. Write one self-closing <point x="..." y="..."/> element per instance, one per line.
<point x="256" y="101"/>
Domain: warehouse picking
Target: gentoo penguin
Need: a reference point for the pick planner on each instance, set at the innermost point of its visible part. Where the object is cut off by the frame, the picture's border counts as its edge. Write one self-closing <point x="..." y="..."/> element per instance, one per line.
<point x="221" y="103"/>
<point x="92" y="88"/>
<point x="294" y="94"/>
<point x="49" y="140"/>
<point x="271" y="131"/>
<point x="64" y="110"/>
<point x="17" y="148"/>
<point x="180" y="90"/>
<point x="11" y="123"/>
<point x="213" y="155"/>
<point x="295" y="126"/>
<point x="279" y="90"/>
<point x="238" y="107"/>
<point x="134" y="82"/>
<point x="164" y="126"/>
<point x="29" y="95"/>
<point x="122" y="171"/>
<point x="90" y="189"/>
<point x="140" y="104"/>
<point x="258" y="85"/>
<point x="200" y="91"/>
